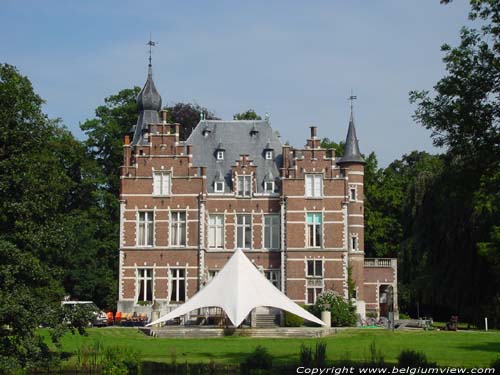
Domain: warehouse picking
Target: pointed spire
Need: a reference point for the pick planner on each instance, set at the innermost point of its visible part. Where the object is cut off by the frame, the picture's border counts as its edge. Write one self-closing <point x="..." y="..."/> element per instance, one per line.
<point x="351" y="151"/>
<point x="148" y="105"/>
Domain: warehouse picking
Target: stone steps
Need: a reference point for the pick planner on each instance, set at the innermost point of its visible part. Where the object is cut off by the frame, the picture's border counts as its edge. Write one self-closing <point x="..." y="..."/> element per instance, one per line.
<point x="266" y="321"/>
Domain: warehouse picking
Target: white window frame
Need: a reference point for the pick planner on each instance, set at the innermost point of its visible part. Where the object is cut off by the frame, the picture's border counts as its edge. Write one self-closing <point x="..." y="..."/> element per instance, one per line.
<point x="313" y="185"/>
<point x="272" y="225"/>
<point x="216" y="231"/>
<point x="274" y="276"/>
<point x="245" y="182"/>
<point x="176" y="227"/>
<point x="317" y="268"/>
<point x="246" y="230"/>
<point x="220" y="155"/>
<point x="314" y="235"/>
<point x="175" y="278"/>
<point x="143" y="275"/>
<point x="269" y="188"/>
<point x="162" y="182"/>
<point x="219" y="186"/>
<point x="146" y="226"/>
<point x="269" y="155"/>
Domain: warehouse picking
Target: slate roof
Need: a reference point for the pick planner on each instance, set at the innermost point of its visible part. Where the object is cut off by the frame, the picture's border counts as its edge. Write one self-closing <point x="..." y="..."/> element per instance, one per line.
<point x="351" y="151"/>
<point x="148" y="105"/>
<point x="236" y="138"/>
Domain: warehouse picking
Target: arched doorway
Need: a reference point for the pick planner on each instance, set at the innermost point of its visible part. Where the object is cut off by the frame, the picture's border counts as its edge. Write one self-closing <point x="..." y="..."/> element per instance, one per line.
<point x="386" y="300"/>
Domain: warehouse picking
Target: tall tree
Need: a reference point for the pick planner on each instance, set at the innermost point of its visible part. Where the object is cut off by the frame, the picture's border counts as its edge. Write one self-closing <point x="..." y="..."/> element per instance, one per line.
<point x="188" y="115"/>
<point x="460" y="249"/>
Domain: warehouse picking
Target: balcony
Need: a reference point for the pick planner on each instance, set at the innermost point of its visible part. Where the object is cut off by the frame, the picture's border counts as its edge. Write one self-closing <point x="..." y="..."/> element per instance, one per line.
<point x="381" y="262"/>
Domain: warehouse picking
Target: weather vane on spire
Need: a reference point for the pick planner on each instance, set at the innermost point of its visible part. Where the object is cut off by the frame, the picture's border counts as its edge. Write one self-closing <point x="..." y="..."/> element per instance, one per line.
<point x="151" y="44"/>
<point x="352" y="98"/>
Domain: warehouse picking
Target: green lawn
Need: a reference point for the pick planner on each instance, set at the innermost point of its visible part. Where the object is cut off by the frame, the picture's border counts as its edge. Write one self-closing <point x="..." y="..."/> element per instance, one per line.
<point x="468" y="349"/>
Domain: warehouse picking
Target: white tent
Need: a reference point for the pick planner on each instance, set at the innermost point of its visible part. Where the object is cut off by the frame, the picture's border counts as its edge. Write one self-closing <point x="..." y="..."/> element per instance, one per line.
<point x="239" y="288"/>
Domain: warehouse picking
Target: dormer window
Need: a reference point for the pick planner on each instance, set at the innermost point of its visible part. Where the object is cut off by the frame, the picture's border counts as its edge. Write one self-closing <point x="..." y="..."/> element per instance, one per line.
<point x="206" y="131"/>
<point x="269" y="154"/>
<point x="269" y="186"/>
<point x="220" y="155"/>
<point x="219" y="187"/>
<point x="254" y="131"/>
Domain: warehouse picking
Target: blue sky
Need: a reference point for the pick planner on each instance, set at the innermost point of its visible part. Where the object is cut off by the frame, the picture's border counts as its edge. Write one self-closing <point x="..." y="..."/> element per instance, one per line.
<point x="296" y="60"/>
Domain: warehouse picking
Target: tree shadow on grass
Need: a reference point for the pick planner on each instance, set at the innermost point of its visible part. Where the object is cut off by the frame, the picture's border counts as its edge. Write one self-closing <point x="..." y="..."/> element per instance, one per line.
<point x="238" y="357"/>
<point x="492" y="346"/>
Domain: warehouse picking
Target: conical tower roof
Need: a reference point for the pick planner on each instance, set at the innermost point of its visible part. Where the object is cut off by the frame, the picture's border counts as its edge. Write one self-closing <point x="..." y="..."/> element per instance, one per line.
<point x="351" y="151"/>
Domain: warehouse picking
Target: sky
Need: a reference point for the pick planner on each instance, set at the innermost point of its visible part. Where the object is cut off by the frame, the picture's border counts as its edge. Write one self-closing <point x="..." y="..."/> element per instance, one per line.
<point x="296" y="60"/>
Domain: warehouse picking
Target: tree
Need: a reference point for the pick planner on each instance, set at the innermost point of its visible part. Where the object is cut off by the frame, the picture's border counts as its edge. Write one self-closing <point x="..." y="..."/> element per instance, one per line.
<point x="41" y="173"/>
<point x="338" y="147"/>
<point x="248" y="115"/>
<point x="188" y="115"/>
<point x="461" y="251"/>
<point x="30" y="298"/>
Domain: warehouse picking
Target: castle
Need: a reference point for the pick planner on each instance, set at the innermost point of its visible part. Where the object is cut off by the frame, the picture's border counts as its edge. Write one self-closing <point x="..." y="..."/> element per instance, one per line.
<point x="297" y="213"/>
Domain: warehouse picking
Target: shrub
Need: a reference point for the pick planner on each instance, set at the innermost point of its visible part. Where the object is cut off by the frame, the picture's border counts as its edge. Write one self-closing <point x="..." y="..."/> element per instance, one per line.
<point x="343" y="313"/>
<point x="376" y="357"/>
<point x="259" y="359"/>
<point x="412" y="358"/>
<point x="404" y="316"/>
<point x="305" y="356"/>
<point x="308" y="359"/>
<point x="320" y="355"/>
<point x="292" y="320"/>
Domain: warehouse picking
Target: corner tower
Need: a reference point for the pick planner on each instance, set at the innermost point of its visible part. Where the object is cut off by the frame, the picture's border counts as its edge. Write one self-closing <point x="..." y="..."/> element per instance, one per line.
<point x="352" y="164"/>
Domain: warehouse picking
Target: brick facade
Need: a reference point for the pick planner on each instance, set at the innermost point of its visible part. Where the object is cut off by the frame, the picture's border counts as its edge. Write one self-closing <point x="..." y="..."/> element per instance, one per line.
<point x="176" y="232"/>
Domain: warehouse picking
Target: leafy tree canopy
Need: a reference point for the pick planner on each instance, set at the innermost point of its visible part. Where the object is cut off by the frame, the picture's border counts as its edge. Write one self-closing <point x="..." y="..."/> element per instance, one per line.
<point x="247" y="115"/>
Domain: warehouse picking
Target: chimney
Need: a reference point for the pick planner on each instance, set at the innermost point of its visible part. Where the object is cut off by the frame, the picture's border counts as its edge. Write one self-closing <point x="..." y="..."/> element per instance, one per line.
<point x="164" y="116"/>
<point x="313" y="132"/>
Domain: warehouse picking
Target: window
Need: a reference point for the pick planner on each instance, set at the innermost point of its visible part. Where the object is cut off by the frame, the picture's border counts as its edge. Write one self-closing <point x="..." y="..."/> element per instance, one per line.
<point x="178" y="228"/>
<point x="354" y="243"/>
<point x="314" y="185"/>
<point x="352" y="193"/>
<point x="269" y="186"/>
<point x="145" y="229"/>
<point x="144" y="284"/>
<point x="216" y="231"/>
<point x="244" y="186"/>
<point x="244" y="231"/>
<point x="314" y="229"/>
<point x="219" y="187"/>
<point x="274" y="277"/>
<point x="313" y="293"/>
<point x="177" y="284"/>
<point x="269" y="155"/>
<point x="314" y="268"/>
<point x="220" y="155"/>
<point x="314" y="274"/>
<point x="161" y="183"/>
<point x="272" y="232"/>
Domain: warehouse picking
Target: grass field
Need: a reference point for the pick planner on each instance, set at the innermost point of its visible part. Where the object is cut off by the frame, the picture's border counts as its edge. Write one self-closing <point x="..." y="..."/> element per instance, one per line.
<point x="467" y="349"/>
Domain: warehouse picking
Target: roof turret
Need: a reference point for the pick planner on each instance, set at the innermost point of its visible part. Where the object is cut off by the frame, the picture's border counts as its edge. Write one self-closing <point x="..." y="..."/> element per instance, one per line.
<point x="149" y="98"/>
<point x="148" y="105"/>
<point x="351" y="151"/>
